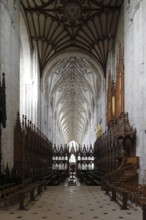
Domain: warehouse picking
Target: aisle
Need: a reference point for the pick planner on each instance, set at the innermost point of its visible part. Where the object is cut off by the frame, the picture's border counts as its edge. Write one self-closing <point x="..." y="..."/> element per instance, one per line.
<point x="72" y="202"/>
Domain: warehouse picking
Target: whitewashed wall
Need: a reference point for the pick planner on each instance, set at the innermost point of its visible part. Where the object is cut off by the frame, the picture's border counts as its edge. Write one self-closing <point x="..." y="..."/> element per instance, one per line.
<point x="98" y="116"/>
<point x="29" y="77"/>
<point x="101" y="109"/>
<point x="22" y="74"/>
<point x="9" y="63"/>
<point x="135" y="74"/>
<point x="131" y="34"/>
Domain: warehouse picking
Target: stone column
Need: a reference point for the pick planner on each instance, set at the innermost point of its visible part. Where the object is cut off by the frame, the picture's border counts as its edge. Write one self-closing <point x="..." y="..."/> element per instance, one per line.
<point x="135" y="77"/>
<point x="9" y="64"/>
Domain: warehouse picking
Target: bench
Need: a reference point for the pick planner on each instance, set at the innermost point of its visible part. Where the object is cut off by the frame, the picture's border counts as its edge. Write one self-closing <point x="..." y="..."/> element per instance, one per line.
<point x="134" y="192"/>
<point x="55" y="177"/>
<point x="90" y="177"/>
<point x="46" y="180"/>
<point x="116" y="189"/>
<point x="8" y="196"/>
<point x="97" y="182"/>
<point x="28" y="190"/>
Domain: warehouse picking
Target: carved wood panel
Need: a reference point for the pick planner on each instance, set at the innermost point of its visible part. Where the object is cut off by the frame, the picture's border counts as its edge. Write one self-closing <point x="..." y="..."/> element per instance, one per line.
<point x="120" y="83"/>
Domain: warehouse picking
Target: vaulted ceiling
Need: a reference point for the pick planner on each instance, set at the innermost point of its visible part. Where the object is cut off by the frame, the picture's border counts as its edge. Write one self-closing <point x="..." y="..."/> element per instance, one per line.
<point x="86" y="26"/>
<point x="57" y="25"/>
<point x="73" y="88"/>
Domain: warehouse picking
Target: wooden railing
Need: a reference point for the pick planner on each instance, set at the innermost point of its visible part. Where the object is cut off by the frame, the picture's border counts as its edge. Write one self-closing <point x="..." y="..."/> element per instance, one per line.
<point x="127" y="192"/>
<point x="122" y="182"/>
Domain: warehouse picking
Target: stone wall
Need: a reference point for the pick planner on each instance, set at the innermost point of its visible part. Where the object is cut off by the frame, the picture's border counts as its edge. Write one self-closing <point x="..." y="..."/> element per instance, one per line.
<point x="131" y="35"/>
<point x="29" y="77"/>
<point x="9" y="63"/>
<point x="135" y="74"/>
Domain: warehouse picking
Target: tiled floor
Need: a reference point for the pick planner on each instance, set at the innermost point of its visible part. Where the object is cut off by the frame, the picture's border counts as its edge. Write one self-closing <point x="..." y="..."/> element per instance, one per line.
<point x="72" y="202"/>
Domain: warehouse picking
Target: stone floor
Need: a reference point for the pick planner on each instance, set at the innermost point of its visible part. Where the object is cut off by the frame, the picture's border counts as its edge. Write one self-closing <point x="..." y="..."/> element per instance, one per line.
<point x="72" y="202"/>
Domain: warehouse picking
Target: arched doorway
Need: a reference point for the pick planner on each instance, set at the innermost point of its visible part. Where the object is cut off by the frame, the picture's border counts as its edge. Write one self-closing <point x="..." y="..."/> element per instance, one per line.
<point x="72" y="167"/>
<point x="72" y="161"/>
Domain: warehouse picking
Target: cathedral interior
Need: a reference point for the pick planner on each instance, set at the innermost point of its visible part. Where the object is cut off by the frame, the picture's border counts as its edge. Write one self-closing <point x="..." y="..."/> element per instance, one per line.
<point x="72" y="109"/>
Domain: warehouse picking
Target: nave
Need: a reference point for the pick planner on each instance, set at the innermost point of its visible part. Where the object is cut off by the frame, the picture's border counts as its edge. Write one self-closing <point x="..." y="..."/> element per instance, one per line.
<point x="72" y="85"/>
<point x="72" y="202"/>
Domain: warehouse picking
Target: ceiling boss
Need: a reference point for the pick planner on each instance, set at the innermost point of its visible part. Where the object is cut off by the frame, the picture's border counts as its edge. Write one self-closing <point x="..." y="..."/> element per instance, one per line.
<point x="72" y="11"/>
